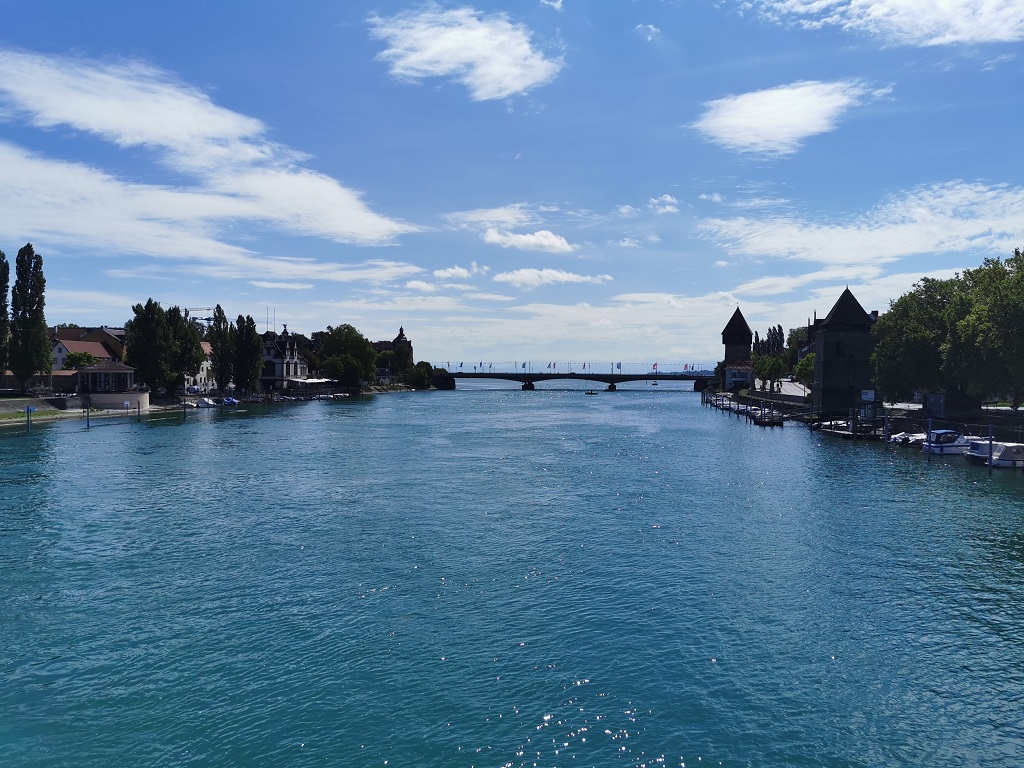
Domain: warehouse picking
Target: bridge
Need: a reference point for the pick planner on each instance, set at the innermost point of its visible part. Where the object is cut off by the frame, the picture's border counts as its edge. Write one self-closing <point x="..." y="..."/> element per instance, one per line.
<point x="528" y="380"/>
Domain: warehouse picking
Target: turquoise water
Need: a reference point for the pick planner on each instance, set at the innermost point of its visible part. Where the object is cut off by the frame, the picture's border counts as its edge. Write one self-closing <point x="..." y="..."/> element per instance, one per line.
<point x="493" y="577"/>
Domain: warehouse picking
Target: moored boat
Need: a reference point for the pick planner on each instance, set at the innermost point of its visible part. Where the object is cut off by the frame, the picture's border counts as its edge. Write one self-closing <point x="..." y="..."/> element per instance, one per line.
<point x="1007" y="455"/>
<point x="947" y="441"/>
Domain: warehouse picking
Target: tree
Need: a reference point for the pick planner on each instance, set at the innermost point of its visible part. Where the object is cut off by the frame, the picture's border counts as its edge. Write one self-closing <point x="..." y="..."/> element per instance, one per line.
<point x="30" y="351"/>
<point x="419" y="375"/>
<point x="804" y="370"/>
<point x="248" y="354"/>
<point x="148" y="342"/>
<point x="78" y="360"/>
<point x="345" y="369"/>
<point x="913" y="340"/>
<point x="346" y="340"/>
<point x="222" y="352"/>
<point x="186" y="352"/>
<point x="5" y="317"/>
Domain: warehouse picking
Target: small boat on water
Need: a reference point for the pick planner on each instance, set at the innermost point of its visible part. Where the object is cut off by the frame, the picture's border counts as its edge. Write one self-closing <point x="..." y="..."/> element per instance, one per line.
<point x="590" y="392"/>
<point x="230" y="401"/>
<point x="1007" y="455"/>
<point x="947" y="441"/>
<point x="908" y="438"/>
<point x="205" y="402"/>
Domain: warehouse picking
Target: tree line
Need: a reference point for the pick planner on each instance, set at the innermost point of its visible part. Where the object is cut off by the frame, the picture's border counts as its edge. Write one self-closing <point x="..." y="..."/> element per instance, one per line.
<point x="24" y="343"/>
<point x="964" y="334"/>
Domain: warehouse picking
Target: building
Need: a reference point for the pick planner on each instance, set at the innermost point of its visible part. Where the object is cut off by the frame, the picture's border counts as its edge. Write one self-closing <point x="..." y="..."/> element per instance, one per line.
<point x="62" y="348"/>
<point x="738" y="371"/>
<point x="842" y="344"/>
<point x="111" y="338"/>
<point x="282" y="363"/>
<point x="202" y="381"/>
<point x="402" y="349"/>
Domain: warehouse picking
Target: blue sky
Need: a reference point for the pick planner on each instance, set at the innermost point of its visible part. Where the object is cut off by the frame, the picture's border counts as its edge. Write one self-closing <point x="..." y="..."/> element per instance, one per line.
<point x="534" y="180"/>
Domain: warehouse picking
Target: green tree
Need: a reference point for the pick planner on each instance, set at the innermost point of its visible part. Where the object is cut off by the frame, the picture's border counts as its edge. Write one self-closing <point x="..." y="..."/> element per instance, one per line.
<point x="913" y="339"/>
<point x="419" y="375"/>
<point x="248" y="354"/>
<point x="78" y="360"/>
<point x="804" y="370"/>
<point x="30" y="351"/>
<point x="148" y="344"/>
<point x="186" y="351"/>
<point x="795" y="341"/>
<point x="346" y="340"/>
<point x="5" y="317"/>
<point x="222" y="353"/>
<point x="994" y="327"/>
<point x="345" y="369"/>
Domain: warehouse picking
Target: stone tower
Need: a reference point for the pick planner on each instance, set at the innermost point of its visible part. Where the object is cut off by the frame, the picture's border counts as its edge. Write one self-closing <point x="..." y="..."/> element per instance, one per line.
<point x="737" y="338"/>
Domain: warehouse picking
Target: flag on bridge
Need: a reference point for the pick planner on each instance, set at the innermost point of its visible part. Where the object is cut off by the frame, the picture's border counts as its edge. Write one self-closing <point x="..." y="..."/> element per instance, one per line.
<point x="524" y="365"/>
<point x="655" y="366"/>
<point x="618" y="366"/>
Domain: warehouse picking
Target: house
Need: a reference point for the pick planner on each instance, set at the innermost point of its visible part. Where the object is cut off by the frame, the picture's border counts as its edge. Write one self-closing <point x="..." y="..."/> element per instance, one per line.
<point x="842" y="344"/>
<point x="111" y="338"/>
<point x="738" y="340"/>
<point x="203" y="381"/>
<point x="64" y="347"/>
<point x="283" y="366"/>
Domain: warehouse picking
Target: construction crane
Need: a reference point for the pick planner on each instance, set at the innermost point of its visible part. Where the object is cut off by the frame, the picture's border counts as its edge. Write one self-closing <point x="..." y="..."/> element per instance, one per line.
<point x="206" y="320"/>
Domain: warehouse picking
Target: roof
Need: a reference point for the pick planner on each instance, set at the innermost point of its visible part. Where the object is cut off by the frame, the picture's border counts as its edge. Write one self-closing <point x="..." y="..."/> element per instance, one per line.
<point x="108" y="365"/>
<point x="737" y="325"/>
<point x="207" y="347"/>
<point x="848" y="311"/>
<point x="93" y="348"/>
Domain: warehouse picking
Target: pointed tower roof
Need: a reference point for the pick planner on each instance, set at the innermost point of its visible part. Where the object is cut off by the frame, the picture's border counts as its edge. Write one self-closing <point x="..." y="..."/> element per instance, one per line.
<point x="848" y="311"/>
<point x="737" y="325"/>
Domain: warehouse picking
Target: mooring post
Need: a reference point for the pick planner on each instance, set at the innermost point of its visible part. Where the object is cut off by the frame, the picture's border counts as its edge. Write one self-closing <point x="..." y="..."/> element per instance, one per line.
<point x="928" y="440"/>
<point x="990" y="448"/>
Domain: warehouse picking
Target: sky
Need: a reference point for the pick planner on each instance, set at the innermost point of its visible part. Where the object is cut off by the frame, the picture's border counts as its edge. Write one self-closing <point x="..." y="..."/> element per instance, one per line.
<point x="538" y="180"/>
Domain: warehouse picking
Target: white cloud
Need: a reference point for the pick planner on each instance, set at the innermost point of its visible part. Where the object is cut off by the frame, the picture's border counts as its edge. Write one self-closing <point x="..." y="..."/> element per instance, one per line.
<point x="542" y="240"/>
<point x="908" y="22"/>
<point x="507" y="217"/>
<point x="712" y="197"/>
<point x="461" y="272"/>
<point x="663" y="204"/>
<point x="556" y="4"/>
<point x="943" y="218"/>
<point x="488" y="54"/>
<point x="490" y="297"/>
<point x="240" y="174"/>
<point x="722" y="263"/>
<point x="282" y="286"/>
<point x="628" y="242"/>
<point x="776" y="284"/>
<point x="627" y="211"/>
<point x="776" y="120"/>
<point x="534" y="278"/>
<point x="422" y="286"/>
<point x="648" y="32"/>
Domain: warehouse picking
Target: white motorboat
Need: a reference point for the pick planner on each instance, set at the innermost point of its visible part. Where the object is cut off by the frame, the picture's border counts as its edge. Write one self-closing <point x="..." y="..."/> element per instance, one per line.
<point x="978" y="451"/>
<point x="947" y="442"/>
<point x="205" y="402"/>
<point x="1007" y="455"/>
<point x="908" y="438"/>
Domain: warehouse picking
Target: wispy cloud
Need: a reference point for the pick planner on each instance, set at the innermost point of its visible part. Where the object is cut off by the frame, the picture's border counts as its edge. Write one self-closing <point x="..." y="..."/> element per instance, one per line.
<point x="507" y="217"/>
<point x="907" y="22"/>
<point x="282" y="286"/>
<point x="556" y="4"/>
<point x="493" y="57"/>
<point x="777" y="120"/>
<point x="239" y="172"/>
<point x="648" y="32"/>
<point x="943" y="218"/>
<point x="542" y="240"/>
<point x="534" y="278"/>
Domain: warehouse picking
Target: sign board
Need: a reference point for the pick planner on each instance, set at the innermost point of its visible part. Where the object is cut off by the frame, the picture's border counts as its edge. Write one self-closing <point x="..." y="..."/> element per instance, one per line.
<point x="867" y="395"/>
<point x="30" y="409"/>
<point x="126" y="404"/>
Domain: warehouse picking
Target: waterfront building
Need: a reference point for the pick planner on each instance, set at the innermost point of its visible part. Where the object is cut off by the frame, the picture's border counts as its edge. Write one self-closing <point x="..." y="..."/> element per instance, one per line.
<point x="842" y="344"/>
<point x="62" y="348"/>
<point x="403" y="355"/>
<point x="283" y="366"/>
<point x="737" y="339"/>
<point x="202" y="381"/>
